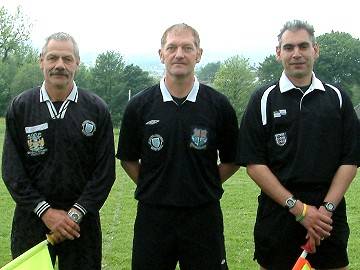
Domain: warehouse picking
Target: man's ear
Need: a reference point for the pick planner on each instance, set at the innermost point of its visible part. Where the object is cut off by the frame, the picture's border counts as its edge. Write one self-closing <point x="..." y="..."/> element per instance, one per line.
<point x="278" y="51"/>
<point x="161" y="56"/>
<point x="199" y="54"/>
<point x="316" y="50"/>
<point x="41" y="59"/>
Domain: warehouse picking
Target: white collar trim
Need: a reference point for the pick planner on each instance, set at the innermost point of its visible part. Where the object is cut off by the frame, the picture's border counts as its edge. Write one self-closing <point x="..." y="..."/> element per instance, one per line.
<point x="286" y="85"/>
<point x="73" y="96"/>
<point x="190" y="97"/>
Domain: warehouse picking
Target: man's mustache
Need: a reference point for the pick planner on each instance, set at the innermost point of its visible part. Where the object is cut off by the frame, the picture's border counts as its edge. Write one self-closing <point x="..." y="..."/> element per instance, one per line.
<point x="59" y="72"/>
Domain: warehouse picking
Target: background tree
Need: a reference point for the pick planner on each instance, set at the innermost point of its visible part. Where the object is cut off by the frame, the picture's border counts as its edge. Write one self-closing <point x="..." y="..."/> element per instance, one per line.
<point x="83" y="77"/>
<point x="206" y="74"/>
<point x="5" y="80"/>
<point x="107" y="74"/>
<point x="339" y="61"/>
<point x="107" y="78"/>
<point x="269" y="70"/>
<point x="112" y="79"/>
<point x="16" y="56"/>
<point x="27" y="76"/>
<point x="14" y="32"/>
<point x="355" y="95"/>
<point x="135" y="80"/>
<point x="236" y="79"/>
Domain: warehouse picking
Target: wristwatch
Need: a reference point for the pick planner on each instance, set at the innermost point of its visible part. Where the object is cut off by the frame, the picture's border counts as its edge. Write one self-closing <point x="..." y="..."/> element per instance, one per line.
<point x="75" y="215"/>
<point x="290" y="202"/>
<point x="329" y="206"/>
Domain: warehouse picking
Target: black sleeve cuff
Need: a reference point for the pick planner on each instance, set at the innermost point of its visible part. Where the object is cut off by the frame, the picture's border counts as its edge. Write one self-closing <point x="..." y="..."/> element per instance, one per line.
<point x="41" y="208"/>
<point x="80" y="208"/>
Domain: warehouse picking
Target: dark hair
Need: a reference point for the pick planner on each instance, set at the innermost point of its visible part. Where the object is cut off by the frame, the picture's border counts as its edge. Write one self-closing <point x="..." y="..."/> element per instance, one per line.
<point x="296" y="25"/>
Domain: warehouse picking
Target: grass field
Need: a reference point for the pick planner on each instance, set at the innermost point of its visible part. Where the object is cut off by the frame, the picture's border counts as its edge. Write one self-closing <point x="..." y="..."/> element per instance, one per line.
<point x="239" y="208"/>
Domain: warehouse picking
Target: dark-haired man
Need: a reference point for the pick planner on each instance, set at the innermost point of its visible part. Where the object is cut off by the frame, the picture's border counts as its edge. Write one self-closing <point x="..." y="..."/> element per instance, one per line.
<point x="299" y="139"/>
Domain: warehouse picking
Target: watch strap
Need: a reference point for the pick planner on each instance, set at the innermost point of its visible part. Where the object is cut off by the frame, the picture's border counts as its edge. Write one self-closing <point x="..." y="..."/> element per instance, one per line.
<point x="75" y="215"/>
<point x="329" y="206"/>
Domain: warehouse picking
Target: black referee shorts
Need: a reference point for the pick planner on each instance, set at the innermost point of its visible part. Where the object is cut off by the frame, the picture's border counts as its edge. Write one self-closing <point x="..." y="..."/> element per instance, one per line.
<point x="82" y="253"/>
<point x="278" y="237"/>
<point x="165" y="235"/>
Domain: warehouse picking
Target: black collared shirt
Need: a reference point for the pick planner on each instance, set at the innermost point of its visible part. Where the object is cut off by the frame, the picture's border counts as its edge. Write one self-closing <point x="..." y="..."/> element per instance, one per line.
<point x="302" y="137"/>
<point x="63" y="161"/>
<point x="178" y="145"/>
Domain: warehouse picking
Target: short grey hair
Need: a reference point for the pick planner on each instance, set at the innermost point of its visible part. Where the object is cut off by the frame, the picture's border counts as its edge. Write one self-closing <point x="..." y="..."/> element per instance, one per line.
<point x="296" y="25"/>
<point x="181" y="27"/>
<point x="61" y="36"/>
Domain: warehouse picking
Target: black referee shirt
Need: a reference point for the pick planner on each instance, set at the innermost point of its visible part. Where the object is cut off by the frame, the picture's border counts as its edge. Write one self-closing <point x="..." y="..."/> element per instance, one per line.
<point x="66" y="161"/>
<point x="178" y="144"/>
<point x="302" y="137"/>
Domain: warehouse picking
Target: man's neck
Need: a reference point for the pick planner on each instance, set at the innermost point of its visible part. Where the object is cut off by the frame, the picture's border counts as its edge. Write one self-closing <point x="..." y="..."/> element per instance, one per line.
<point x="58" y="93"/>
<point x="179" y="87"/>
<point x="300" y="82"/>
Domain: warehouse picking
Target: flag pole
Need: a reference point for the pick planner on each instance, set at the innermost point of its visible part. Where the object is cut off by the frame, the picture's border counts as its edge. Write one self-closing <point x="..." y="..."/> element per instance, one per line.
<point x="50" y="239"/>
<point x="302" y="263"/>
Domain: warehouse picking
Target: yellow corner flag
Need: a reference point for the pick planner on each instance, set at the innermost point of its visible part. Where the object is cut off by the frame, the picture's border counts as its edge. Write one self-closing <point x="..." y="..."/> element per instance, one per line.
<point x="36" y="258"/>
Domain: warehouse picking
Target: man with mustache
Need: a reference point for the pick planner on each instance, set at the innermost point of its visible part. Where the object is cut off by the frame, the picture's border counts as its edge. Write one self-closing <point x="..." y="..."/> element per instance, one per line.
<point x="299" y="139"/>
<point x="58" y="161"/>
<point x="170" y="139"/>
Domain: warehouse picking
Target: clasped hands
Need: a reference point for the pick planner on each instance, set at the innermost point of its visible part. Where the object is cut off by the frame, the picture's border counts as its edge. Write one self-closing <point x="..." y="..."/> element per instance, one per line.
<point x="318" y="223"/>
<point x="61" y="226"/>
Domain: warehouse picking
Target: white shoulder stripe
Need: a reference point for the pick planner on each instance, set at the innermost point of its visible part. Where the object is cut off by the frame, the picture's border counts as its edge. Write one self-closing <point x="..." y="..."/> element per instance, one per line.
<point x="36" y="128"/>
<point x="337" y="92"/>
<point x="264" y="104"/>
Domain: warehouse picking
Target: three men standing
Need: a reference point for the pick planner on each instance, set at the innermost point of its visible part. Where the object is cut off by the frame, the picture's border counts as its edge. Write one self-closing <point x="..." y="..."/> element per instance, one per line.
<point x="299" y="139"/>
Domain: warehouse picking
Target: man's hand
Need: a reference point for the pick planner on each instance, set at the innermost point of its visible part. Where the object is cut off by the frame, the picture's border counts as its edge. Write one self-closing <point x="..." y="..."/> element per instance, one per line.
<point x="55" y="238"/>
<point x="312" y="243"/>
<point x="317" y="223"/>
<point x="60" y="225"/>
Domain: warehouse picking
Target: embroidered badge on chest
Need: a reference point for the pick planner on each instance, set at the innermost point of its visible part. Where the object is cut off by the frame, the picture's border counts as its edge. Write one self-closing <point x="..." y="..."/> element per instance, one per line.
<point x="280" y="138"/>
<point x="156" y="142"/>
<point x="36" y="144"/>
<point x="152" y="122"/>
<point x="88" y="128"/>
<point x="199" y="139"/>
<point x="279" y="113"/>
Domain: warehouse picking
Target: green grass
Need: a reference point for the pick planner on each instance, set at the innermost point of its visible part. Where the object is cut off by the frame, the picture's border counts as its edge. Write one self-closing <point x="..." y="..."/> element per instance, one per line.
<point x="239" y="204"/>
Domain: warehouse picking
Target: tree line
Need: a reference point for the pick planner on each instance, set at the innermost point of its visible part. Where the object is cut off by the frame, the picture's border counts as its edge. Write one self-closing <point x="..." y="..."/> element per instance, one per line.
<point x="111" y="78"/>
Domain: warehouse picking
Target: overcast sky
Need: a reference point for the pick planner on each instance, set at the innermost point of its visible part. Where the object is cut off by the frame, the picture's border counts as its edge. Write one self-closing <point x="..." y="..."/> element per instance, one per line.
<point x="226" y="27"/>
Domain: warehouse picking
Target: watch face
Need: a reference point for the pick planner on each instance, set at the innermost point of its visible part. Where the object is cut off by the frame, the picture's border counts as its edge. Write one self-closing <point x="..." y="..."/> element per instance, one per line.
<point x="330" y="207"/>
<point x="75" y="216"/>
<point x="290" y="202"/>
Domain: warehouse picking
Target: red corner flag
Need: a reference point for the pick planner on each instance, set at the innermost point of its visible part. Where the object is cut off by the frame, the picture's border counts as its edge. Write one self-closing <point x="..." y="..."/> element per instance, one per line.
<point x="302" y="263"/>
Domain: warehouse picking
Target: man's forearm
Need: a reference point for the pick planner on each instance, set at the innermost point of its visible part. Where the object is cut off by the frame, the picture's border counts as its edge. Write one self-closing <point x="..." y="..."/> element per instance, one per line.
<point x="226" y="170"/>
<point x="268" y="182"/>
<point x="340" y="183"/>
<point x="132" y="169"/>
